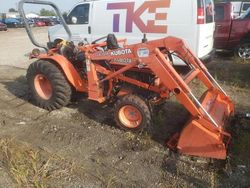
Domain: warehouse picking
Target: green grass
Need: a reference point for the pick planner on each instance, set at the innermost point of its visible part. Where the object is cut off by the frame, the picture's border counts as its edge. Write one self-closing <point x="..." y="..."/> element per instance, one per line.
<point x="236" y="72"/>
<point x="242" y="146"/>
<point x="241" y="141"/>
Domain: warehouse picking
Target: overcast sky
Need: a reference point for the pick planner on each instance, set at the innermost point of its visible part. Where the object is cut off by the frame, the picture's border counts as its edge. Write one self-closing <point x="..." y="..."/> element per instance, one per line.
<point x="64" y="5"/>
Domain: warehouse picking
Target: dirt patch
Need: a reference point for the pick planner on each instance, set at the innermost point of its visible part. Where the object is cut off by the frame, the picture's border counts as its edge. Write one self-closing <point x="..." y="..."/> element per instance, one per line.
<point x="16" y="46"/>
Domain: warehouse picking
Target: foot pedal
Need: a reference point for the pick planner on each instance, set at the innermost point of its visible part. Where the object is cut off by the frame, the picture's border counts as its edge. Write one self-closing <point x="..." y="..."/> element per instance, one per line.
<point x="173" y="141"/>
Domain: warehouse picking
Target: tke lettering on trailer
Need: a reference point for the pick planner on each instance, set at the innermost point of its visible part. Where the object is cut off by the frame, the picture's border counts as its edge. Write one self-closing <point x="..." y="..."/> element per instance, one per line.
<point x="134" y="16"/>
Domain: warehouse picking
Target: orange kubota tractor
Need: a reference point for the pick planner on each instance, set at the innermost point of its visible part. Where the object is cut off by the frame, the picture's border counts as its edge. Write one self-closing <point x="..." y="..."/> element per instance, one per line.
<point x="135" y="77"/>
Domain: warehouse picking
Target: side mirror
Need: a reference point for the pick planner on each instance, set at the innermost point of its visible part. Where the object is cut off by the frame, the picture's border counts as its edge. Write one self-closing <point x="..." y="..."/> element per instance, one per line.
<point x="74" y="20"/>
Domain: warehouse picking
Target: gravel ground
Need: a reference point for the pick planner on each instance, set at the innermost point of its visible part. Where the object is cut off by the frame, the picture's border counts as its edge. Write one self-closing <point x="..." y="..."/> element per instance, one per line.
<point x="15" y="46"/>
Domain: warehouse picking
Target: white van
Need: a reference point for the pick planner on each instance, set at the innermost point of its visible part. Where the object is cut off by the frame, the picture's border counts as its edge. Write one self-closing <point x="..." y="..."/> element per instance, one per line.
<point x="191" y="20"/>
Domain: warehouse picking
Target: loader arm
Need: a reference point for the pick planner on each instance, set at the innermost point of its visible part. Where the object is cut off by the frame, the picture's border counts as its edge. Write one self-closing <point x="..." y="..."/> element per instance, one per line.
<point x="204" y="134"/>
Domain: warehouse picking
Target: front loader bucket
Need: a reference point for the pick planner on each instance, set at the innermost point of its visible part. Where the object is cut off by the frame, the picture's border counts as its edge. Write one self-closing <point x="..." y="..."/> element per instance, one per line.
<point x="201" y="136"/>
<point x="204" y="135"/>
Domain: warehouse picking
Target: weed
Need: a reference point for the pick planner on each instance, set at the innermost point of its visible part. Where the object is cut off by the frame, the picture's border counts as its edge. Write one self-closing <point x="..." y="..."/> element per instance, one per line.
<point x="29" y="167"/>
<point x="234" y="73"/>
<point x="146" y="141"/>
<point x="160" y="117"/>
<point x="239" y="60"/>
<point x="107" y="179"/>
<point x="23" y="164"/>
<point x="130" y="136"/>
<point x="111" y="180"/>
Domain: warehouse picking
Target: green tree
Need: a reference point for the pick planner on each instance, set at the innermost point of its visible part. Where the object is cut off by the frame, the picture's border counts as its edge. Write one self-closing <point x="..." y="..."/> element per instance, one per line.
<point x="12" y="10"/>
<point x="44" y="12"/>
<point x="64" y="13"/>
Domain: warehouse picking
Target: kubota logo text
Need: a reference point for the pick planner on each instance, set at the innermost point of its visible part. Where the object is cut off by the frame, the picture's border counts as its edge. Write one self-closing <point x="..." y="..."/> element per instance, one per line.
<point x="134" y="16"/>
<point x="121" y="52"/>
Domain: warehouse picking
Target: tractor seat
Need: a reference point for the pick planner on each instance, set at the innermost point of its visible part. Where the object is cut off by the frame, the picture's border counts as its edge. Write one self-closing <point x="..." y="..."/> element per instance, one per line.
<point x="112" y="43"/>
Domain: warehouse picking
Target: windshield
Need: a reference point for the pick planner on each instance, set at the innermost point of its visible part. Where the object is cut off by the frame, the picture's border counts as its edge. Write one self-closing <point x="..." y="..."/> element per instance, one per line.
<point x="245" y="14"/>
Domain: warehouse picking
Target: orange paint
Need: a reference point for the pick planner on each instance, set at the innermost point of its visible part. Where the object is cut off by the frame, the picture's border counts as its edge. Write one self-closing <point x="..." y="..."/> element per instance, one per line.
<point x="130" y="116"/>
<point x="68" y="69"/>
<point x="43" y="86"/>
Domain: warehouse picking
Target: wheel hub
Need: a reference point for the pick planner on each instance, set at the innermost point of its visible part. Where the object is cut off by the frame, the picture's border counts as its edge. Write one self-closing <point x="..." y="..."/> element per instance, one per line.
<point x="43" y="86"/>
<point x="244" y="51"/>
<point x="130" y="116"/>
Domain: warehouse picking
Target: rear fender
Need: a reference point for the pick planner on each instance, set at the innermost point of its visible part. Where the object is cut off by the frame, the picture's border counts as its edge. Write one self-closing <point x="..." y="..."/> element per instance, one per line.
<point x="69" y="71"/>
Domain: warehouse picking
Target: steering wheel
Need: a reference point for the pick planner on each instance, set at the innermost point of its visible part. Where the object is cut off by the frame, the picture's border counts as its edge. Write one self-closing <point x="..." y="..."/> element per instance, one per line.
<point x="95" y="41"/>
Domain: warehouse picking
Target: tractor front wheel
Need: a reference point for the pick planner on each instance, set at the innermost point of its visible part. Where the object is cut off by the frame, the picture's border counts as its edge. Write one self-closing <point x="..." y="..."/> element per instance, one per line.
<point x="132" y="113"/>
<point x="48" y="86"/>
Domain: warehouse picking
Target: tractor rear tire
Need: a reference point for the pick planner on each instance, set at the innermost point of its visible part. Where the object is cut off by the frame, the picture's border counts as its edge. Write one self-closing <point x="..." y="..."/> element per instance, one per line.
<point x="48" y="86"/>
<point x="132" y="113"/>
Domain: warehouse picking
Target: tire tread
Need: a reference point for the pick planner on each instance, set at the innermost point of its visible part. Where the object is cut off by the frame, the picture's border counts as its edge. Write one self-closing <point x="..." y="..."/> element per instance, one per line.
<point x="61" y="88"/>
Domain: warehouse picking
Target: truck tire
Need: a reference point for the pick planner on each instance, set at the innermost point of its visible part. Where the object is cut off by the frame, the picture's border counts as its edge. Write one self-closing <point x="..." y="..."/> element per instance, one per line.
<point x="243" y="50"/>
<point x="48" y="86"/>
<point x="131" y="113"/>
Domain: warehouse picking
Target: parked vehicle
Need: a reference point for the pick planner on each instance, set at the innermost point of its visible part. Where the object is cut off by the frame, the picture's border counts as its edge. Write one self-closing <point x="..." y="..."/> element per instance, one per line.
<point x="239" y="7"/>
<point x="12" y="23"/>
<point x="232" y="34"/>
<point x="130" y="19"/>
<point x="31" y="22"/>
<point x="3" y="27"/>
<point x="39" y="23"/>
<point x="47" y="21"/>
<point x="21" y="22"/>
<point x="56" y="21"/>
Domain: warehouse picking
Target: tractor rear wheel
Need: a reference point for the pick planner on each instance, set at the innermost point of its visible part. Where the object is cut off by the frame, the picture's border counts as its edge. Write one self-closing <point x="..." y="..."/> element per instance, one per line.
<point x="48" y="86"/>
<point x="132" y="113"/>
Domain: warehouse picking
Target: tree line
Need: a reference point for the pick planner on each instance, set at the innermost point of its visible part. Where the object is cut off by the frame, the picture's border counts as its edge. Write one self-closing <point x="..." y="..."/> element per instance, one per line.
<point x="43" y="12"/>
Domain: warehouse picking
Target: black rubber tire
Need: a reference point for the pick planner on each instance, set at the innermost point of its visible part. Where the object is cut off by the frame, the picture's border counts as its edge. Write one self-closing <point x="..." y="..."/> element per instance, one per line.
<point x="61" y="89"/>
<point x="140" y="104"/>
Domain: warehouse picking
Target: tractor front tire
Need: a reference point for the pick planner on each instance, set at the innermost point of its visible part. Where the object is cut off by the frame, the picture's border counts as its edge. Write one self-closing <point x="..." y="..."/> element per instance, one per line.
<point x="132" y="113"/>
<point x="48" y="86"/>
